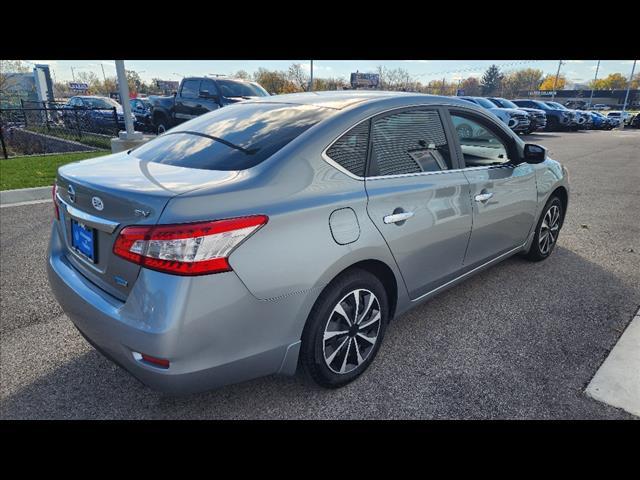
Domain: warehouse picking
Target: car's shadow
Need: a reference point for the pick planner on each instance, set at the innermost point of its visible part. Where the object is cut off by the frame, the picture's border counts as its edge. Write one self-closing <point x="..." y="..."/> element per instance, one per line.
<point x="519" y="340"/>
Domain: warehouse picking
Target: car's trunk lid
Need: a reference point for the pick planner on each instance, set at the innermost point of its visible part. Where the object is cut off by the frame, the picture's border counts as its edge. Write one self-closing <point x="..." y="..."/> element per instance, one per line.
<point x="99" y="197"/>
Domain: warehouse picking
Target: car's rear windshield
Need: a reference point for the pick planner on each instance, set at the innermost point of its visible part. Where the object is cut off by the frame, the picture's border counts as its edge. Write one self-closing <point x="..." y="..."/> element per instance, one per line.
<point x="235" y="137"/>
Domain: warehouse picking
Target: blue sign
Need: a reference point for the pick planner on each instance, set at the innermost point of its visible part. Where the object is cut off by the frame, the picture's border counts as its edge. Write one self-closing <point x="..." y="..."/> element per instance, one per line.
<point x="460" y="92"/>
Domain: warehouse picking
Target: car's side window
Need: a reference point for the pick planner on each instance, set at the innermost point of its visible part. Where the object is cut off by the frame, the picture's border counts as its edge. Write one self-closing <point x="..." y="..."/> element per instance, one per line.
<point x="350" y="150"/>
<point x="411" y="141"/>
<point x="190" y="88"/>
<point x="209" y="86"/>
<point x="480" y="146"/>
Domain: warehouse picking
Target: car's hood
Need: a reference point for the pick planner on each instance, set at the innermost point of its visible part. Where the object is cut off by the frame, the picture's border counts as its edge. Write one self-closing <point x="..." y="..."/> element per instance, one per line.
<point x="512" y="111"/>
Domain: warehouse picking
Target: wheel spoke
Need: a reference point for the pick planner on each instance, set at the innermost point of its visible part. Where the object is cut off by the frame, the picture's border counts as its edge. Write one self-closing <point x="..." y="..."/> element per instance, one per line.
<point x="366" y="309"/>
<point x="356" y="296"/>
<point x="335" y="352"/>
<point x="372" y="341"/>
<point x="341" y="311"/>
<point x="355" y="344"/>
<point x="371" y="321"/>
<point x="346" y="356"/>
<point x="331" y="334"/>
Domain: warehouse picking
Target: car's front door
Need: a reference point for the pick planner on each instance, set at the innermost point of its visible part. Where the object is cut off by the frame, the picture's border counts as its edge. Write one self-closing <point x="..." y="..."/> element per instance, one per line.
<point x="418" y="199"/>
<point x="188" y="103"/>
<point x="503" y="191"/>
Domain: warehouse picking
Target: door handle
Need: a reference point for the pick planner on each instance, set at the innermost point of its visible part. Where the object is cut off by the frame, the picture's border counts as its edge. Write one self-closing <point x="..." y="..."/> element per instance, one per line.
<point x="397" y="217"/>
<point x="483" y="197"/>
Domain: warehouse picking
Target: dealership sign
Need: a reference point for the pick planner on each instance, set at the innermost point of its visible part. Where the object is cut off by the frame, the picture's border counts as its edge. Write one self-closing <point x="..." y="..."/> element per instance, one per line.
<point x="78" y="87"/>
<point x="367" y="80"/>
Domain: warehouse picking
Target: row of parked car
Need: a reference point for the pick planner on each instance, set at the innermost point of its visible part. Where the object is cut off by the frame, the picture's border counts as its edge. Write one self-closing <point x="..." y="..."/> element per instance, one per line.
<point x="526" y="116"/>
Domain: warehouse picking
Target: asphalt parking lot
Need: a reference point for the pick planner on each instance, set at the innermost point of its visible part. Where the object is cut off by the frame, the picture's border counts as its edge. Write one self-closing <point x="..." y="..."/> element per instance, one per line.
<point x="520" y="340"/>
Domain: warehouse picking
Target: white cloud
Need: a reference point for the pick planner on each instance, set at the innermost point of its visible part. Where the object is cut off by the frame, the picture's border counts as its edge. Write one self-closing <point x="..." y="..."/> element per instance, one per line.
<point x="417" y="61"/>
<point x="51" y="63"/>
<point x="574" y="61"/>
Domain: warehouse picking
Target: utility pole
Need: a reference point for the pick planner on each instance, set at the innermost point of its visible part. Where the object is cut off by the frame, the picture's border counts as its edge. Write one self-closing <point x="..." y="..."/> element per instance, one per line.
<point x="311" y="81"/>
<point x="73" y="75"/>
<point x="626" y="97"/>
<point x="555" y="82"/>
<point x="594" y="84"/>
<point x="103" y="75"/>
<point x="443" y="85"/>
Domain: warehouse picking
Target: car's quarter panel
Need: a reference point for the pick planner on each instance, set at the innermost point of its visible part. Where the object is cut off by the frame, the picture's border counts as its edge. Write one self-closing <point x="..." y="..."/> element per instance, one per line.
<point x="429" y="246"/>
<point x="503" y="222"/>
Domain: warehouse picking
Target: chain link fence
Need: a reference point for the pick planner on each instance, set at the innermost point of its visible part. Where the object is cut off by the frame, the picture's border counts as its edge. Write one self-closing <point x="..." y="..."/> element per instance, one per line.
<point x="49" y="127"/>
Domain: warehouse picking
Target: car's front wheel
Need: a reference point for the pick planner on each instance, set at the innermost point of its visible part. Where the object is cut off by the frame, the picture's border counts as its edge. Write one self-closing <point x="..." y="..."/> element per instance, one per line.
<point x="345" y="329"/>
<point x="547" y="230"/>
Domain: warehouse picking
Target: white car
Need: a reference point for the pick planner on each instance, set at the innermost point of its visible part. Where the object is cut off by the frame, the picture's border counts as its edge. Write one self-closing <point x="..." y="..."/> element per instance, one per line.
<point x="622" y="116"/>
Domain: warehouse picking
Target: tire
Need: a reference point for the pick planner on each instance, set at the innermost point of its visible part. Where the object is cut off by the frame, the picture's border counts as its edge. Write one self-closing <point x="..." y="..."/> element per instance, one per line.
<point x="161" y="124"/>
<point x="334" y="360"/>
<point x="550" y="221"/>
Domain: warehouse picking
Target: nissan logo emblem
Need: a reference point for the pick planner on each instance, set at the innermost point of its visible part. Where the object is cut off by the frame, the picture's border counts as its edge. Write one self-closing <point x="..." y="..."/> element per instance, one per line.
<point x="72" y="193"/>
<point x="97" y="203"/>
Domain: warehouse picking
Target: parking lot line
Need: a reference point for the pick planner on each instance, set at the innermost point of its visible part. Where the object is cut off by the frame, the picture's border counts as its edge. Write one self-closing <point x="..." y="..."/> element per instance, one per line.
<point x="617" y="381"/>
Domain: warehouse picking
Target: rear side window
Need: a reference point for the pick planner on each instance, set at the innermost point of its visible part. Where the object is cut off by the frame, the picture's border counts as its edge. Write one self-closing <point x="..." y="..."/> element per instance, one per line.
<point x="350" y="150"/>
<point x="235" y="137"/>
<point x="409" y="142"/>
<point x="190" y="88"/>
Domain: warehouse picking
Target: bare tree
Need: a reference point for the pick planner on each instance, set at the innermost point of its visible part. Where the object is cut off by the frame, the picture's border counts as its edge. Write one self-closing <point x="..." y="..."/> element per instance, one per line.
<point x="299" y="77"/>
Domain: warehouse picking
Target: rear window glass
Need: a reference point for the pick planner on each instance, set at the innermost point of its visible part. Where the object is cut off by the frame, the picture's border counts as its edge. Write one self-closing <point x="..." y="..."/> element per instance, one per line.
<point x="235" y="137"/>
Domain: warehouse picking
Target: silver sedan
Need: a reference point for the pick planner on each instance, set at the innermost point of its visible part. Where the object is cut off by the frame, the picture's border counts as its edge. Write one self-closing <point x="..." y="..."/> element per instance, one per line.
<point x="290" y="231"/>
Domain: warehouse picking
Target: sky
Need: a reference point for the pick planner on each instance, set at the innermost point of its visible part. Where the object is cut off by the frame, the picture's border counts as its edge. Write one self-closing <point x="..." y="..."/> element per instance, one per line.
<point x="577" y="71"/>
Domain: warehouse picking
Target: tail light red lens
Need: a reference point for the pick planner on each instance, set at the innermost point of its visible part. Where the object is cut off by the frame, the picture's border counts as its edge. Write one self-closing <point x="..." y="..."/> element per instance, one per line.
<point x="56" y="209"/>
<point x="189" y="248"/>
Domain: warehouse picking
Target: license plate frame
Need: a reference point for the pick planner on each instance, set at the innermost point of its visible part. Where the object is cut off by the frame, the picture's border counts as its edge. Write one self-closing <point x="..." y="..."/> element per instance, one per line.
<point x="83" y="240"/>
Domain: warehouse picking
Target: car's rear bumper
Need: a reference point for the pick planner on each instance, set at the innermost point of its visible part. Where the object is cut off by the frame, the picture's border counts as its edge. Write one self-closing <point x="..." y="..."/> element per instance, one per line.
<point x="211" y="329"/>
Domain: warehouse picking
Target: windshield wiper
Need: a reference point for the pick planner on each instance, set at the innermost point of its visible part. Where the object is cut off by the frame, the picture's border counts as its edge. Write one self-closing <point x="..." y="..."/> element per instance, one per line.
<point x="247" y="151"/>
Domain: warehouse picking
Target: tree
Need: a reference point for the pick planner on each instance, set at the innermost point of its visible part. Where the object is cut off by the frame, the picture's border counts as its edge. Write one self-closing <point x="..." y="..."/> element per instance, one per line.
<point x="396" y="79"/>
<point x="274" y="81"/>
<point x="491" y="81"/>
<point x="611" y="82"/>
<point x="471" y="86"/>
<point x="299" y="77"/>
<point x="242" y="74"/>
<point x="549" y="80"/>
<point x="519" y="80"/>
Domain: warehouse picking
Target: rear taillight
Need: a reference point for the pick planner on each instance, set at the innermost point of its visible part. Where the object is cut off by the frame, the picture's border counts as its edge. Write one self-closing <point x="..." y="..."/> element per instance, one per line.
<point x="56" y="209"/>
<point x="189" y="248"/>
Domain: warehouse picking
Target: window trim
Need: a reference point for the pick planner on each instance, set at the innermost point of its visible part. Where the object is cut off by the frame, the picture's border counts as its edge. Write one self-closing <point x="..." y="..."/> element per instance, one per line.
<point x="444" y="118"/>
<point x="496" y="129"/>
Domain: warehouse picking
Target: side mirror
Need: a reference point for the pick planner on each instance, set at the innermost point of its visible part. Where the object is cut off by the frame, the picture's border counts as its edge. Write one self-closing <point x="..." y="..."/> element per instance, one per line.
<point x="534" y="153"/>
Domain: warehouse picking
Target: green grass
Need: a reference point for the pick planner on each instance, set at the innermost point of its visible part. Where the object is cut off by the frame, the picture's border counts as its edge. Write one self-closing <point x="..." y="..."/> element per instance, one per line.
<point x="36" y="171"/>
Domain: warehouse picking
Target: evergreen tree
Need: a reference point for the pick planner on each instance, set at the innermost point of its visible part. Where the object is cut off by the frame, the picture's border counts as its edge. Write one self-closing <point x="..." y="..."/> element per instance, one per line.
<point x="491" y="81"/>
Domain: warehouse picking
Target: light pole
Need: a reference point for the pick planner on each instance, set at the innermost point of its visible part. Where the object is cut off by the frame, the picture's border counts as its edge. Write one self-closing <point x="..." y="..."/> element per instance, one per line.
<point x="311" y="81"/>
<point x="626" y="97"/>
<point x="123" y="89"/>
<point x="555" y="82"/>
<point x="594" y="84"/>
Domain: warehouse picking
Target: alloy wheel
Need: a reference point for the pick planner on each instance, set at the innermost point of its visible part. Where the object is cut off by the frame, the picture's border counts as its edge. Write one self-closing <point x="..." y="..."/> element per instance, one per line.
<point x="351" y="331"/>
<point x="549" y="229"/>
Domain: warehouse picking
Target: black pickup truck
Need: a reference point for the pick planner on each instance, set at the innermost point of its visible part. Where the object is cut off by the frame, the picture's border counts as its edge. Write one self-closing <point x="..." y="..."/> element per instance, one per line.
<point x="198" y="95"/>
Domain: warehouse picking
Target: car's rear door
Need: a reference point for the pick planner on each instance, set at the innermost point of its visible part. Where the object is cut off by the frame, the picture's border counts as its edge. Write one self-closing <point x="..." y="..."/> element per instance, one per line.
<point x="503" y="191"/>
<point x="418" y="199"/>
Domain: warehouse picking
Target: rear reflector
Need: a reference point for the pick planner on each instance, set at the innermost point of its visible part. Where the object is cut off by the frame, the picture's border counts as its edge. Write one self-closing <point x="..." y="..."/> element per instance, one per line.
<point x="186" y="249"/>
<point x="155" y="361"/>
<point x="56" y="209"/>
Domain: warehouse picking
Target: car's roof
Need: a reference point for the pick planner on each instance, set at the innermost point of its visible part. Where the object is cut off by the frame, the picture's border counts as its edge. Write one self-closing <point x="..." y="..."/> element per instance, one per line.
<point x="341" y="99"/>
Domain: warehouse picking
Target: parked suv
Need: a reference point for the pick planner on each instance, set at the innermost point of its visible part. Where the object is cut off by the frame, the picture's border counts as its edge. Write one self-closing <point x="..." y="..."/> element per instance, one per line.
<point x="516" y="119"/>
<point x="537" y="116"/>
<point x="198" y="95"/>
<point x="577" y="119"/>
<point x="557" y="118"/>
<point x="292" y="229"/>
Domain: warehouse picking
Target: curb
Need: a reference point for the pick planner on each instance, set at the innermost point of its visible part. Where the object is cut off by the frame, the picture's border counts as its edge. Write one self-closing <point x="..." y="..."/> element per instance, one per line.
<point x="19" y="195"/>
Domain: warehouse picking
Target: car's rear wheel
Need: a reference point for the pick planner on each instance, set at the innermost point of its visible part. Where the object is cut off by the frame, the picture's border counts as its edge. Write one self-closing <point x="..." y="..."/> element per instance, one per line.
<point x="547" y="230"/>
<point x="345" y="329"/>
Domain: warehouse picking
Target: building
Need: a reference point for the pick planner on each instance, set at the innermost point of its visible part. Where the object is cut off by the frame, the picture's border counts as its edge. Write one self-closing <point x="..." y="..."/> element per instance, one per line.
<point x="611" y="98"/>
